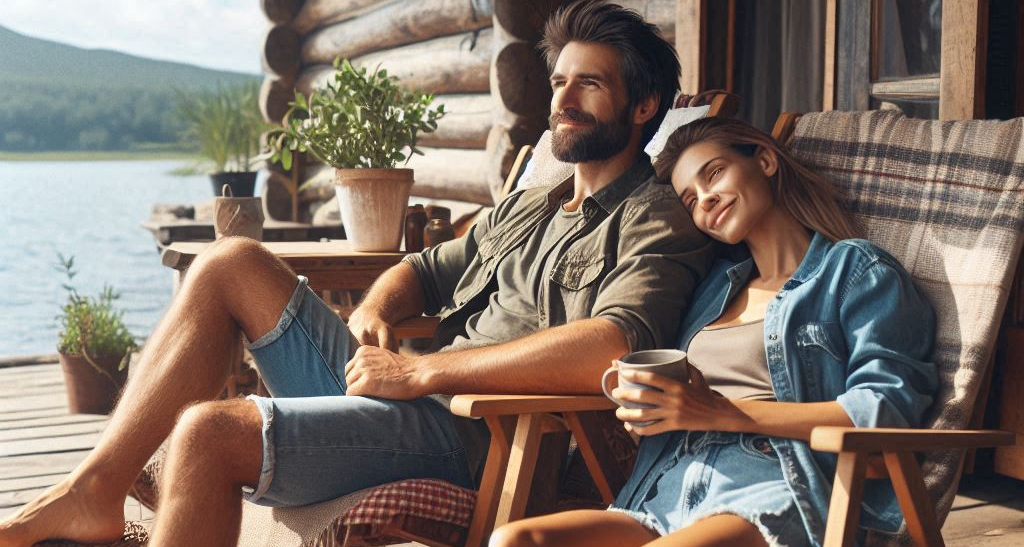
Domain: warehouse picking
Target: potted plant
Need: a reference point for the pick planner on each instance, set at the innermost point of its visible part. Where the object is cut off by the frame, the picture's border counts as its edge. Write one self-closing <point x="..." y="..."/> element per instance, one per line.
<point x="362" y="124"/>
<point x="94" y="346"/>
<point x="226" y="124"/>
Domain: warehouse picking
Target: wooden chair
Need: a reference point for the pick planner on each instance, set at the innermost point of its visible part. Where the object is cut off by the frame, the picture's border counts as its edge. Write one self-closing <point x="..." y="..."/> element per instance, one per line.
<point x="946" y="199"/>
<point x="524" y="429"/>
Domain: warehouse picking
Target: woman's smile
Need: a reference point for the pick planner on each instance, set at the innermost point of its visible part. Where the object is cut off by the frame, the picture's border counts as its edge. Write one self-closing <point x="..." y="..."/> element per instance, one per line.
<point x="717" y="221"/>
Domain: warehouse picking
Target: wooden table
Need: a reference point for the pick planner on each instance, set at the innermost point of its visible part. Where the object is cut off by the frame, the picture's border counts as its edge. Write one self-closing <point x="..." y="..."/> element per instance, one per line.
<point x="329" y="265"/>
<point x="167" y="232"/>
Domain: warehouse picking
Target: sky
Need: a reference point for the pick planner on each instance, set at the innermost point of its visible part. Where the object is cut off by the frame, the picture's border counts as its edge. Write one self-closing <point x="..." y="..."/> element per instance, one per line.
<point x="221" y="34"/>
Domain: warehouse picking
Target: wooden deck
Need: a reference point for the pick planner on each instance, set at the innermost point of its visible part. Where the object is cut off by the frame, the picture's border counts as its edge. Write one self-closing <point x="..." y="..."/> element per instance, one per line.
<point x="40" y="443"/>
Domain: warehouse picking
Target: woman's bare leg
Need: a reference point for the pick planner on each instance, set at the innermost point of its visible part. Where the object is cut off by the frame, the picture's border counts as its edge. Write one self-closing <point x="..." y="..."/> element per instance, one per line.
<point x="716" y="531"/>
<point x="585" y="528"/>
<point x="235" y="287"/>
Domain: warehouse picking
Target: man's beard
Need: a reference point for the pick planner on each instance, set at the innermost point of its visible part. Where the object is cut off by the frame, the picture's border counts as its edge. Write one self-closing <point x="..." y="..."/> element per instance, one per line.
<point x="594" y="142"/>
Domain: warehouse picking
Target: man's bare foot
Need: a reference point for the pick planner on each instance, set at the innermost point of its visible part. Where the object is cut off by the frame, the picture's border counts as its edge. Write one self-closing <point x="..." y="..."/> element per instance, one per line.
<point x="66" y="511"/>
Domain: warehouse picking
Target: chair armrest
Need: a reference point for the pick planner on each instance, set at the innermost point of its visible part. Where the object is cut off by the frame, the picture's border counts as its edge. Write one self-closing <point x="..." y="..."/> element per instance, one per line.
<point x="871" y="439"/>
<point x="476" y="406"/>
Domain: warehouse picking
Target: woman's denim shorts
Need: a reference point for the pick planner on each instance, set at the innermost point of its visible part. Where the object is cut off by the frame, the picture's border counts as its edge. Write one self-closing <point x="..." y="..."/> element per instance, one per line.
<point x="713" y="473"/>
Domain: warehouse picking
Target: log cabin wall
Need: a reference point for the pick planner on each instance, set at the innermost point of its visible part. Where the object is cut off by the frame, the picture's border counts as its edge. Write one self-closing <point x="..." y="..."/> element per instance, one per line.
<point x="478" y="57"/>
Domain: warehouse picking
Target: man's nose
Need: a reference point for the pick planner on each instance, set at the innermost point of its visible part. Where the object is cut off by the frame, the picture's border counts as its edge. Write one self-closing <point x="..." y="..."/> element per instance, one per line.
<point x="565" y="97"/>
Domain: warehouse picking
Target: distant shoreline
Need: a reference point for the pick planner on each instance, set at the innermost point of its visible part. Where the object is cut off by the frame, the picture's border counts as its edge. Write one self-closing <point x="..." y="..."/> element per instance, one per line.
<point x="104" y="155"/>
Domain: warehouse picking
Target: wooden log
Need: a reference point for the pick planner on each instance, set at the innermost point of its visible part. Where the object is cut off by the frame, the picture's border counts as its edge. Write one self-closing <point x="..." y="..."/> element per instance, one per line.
<point x="466" y="123"/>
<point x="661" y="13"/>
<point x="446" y="173"/>
<point x="280" y="53"/>
<point x="391" y="25"/>
<point x="275" y="94"/>
<point x="281" y="11"/>
<point x="451" y="64"/>
<point x="524" y="19"/>
<point x="441" y="173"/>
<point x="317" y="13"/>
<point x="519" y="84"/>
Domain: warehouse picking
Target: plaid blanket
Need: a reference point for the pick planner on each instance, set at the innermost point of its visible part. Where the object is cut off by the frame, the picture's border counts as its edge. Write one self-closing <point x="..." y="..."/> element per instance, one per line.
<point x="946" y="199"/>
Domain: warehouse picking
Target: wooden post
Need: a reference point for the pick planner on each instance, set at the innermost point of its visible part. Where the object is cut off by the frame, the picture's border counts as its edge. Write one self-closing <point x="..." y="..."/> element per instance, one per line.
<point x="828" y="95"/>
<point x="962" y="76"/>
<point x="691" y="44"/>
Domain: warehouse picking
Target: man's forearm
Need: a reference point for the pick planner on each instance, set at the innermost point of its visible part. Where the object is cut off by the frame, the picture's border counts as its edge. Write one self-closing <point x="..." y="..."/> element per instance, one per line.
<point x="567" y="359"/>
<point x="396" y="294"/>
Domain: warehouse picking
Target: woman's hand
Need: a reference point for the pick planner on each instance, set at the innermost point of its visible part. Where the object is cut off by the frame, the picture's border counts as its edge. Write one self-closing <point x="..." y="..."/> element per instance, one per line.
<point x="692" y="406"/>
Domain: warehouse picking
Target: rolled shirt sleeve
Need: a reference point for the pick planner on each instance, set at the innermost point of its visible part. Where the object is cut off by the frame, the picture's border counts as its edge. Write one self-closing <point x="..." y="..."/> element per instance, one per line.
<point x="890" y="330"/>
<point x="661" y="258"/>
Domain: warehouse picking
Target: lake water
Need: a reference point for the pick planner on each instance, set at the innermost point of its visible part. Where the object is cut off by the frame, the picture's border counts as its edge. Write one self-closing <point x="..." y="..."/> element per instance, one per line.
<point x="91" y="210"/>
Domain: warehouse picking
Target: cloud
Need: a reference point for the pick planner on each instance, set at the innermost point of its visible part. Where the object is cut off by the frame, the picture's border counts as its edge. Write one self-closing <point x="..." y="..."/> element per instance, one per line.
<point x="223" y="34"/>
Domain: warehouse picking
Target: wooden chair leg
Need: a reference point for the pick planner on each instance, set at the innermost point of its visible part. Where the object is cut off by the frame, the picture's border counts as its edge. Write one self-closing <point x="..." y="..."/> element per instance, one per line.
<point x="502" y="429"/>
<point x="603" y="468"/>
<point x="917" y="507"/>
<point x="847" y="492"/>
<point x="521" y="464"/>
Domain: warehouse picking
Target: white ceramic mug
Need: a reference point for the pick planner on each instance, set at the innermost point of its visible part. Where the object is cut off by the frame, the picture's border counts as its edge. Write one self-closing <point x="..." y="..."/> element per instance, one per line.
<point x="670" y="363"/>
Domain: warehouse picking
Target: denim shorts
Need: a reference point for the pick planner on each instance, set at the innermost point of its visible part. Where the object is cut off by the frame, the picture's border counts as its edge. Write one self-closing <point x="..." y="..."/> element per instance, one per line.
<point x="713" y="473"/>
<point x="318" y="442"/>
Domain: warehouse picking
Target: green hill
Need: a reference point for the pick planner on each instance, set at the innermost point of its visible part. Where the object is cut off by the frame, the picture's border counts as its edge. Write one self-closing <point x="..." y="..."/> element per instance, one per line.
<point x="59" y="97"/>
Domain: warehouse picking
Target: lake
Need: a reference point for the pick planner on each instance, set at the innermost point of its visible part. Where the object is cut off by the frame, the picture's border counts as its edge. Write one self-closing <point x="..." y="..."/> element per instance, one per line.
<point x="91" y="210"/>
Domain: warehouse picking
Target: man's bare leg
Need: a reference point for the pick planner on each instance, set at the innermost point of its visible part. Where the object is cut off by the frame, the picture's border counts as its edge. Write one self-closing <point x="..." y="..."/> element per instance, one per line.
<point x="235" y="287"/>
<point x="216" y="448"/>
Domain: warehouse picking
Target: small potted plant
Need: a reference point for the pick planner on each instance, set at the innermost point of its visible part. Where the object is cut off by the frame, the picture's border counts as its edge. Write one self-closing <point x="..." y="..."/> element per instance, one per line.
<point x="225" y="124"/>
<point x="362" y="124"/>
<point x="94" y="346"/>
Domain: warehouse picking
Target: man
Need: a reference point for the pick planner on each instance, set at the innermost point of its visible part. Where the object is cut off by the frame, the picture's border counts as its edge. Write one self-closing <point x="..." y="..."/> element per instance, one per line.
<point x="538" y="297"/>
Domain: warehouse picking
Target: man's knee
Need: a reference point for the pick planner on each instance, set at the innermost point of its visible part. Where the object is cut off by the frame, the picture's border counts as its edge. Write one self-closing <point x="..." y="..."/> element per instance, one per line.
<point x="230" y="254"/>
<point x="514" y="535"/>
<point x="221" y="436"/>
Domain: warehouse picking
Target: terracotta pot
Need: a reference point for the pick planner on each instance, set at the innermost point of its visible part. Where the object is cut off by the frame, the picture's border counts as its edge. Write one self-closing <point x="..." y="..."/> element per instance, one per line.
<point x="90" y="392"/>
<point x="372" y="204"/>
<point x="243" y="183"/>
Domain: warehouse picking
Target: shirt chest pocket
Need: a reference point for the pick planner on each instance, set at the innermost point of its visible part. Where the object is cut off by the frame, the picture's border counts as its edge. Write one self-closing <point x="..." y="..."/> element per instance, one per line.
<point x="576" y="273"/>
<point x="823" y="356"/>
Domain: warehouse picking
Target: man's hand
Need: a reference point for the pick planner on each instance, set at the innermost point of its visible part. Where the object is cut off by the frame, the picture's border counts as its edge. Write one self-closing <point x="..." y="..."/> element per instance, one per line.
<point x="371" y="329"/>
<point x="376" y="372"/>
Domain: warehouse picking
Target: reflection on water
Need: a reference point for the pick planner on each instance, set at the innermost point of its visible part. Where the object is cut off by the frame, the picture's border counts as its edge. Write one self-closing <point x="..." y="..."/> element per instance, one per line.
<point x="91" y="210"/>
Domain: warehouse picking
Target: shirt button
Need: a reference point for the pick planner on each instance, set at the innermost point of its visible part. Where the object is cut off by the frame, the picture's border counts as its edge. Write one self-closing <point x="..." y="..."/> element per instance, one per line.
<point x="773" y="337"/>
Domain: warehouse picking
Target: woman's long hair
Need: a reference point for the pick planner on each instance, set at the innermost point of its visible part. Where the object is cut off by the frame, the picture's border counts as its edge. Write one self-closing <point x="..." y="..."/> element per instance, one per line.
<point x="813" y="201"/>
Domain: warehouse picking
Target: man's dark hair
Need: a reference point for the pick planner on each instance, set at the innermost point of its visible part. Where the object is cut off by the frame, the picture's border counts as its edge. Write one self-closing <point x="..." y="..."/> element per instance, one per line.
<point x="648" y="63"/>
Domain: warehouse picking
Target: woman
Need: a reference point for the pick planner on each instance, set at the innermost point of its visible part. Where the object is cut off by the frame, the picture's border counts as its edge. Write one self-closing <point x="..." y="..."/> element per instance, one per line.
<point x="812" y="328"/>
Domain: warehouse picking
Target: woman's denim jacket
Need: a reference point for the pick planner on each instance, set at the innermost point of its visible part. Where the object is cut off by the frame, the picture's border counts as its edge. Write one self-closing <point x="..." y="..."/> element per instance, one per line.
<point x="848" y="326"/>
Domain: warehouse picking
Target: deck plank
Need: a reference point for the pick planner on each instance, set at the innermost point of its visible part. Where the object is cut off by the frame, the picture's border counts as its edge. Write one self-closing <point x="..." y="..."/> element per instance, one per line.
<point x="40" y="443"/>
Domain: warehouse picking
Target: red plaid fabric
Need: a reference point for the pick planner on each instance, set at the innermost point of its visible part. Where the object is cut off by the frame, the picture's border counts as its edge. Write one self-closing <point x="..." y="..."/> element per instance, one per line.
<point x="425" y="498"/>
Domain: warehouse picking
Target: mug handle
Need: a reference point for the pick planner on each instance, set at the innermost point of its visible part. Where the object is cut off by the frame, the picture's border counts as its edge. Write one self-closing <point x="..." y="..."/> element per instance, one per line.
<point x="604" y="385"/>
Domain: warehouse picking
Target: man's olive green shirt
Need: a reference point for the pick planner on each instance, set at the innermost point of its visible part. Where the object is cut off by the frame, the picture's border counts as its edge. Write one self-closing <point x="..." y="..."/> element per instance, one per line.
<point x="633" y="257"/>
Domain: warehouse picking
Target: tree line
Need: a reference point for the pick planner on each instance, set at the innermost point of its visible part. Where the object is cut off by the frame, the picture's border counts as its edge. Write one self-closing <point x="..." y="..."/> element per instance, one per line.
<point x="35" y="116"/>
